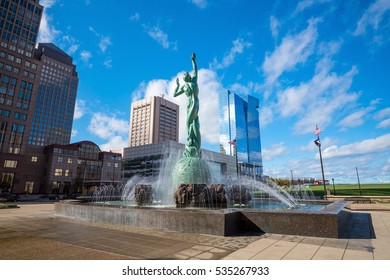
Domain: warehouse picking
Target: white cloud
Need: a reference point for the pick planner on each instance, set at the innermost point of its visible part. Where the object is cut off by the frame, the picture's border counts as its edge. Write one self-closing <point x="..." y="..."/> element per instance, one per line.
<point x="47" y="3"/>
<point x="70" y="43"/>
<point x="367" y="146"/>
<point x="108" y="62"/>
<point x="139" y="93"/>
<point x="326" y="92"/>
<point x="104" y="41"/>
<point x="80" y="109"/>
<point x="106" y="127"/>
<point x="114" y="144"/>
<point x="266" y="115"/>
<point x="384" y="124"/>
<point x="275" y="151"/>
<point x="72" y="49"/>
<point x="382" y="114"/>
<point x="199" y="3"/>
<point x="355" y="119"/>
<point x="135" y="17"/>
<point x="373" y="16"/>
<point x="294" y="50"/>
<point x="311" y="146"/>
<point x="327" y="49"/>
<point x="239" y="45"/>
<point x="85" y="57"/>
<point x="274" y="25"/>
<point x="47" y="32"/>
<point x="160" y="37"/>
<point x="247" y="89"/>
<point x="209" y="88"/>
<point x="305" y="4"/>
<point x="74" y="132"/>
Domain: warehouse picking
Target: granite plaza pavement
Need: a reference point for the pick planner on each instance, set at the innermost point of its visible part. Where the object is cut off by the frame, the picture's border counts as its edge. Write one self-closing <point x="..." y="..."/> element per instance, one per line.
<point x="34" y="232"/>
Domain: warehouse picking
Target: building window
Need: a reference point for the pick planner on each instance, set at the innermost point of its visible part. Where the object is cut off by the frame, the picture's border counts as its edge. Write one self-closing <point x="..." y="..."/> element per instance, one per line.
<point x="34" y="159"/>
<point x="58" y="172"/>
<point x="68" y="172"/>
<point x="60" y="159"/>
<point x="70" y="160"/>
<point x="29" y="187"/>
<point x="10" y="163"/>
<point x="55" y="188"/>
<point x="116" y="165"/>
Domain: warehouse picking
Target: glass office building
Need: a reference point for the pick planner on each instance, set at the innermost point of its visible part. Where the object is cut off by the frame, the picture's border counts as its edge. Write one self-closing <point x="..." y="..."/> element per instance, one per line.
<point x="38" y="90"/>
<point x="240" y="132"/>
<point x="56" y="99"/>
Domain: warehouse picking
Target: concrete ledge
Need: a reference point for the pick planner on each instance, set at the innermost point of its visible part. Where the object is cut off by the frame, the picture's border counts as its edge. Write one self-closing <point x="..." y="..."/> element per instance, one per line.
<point x="327" y="222"/>
<point x="215" y="222"/>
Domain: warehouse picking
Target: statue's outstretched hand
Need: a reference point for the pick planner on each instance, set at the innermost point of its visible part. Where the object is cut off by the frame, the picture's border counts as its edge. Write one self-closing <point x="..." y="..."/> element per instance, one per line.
<point x="193" y="56"/>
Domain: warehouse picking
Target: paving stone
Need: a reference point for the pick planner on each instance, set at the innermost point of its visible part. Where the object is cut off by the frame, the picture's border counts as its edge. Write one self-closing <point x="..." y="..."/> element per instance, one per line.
<point x="302" y="252"/>
<point x="205" y="256"/>
<point x="329" y="253"/>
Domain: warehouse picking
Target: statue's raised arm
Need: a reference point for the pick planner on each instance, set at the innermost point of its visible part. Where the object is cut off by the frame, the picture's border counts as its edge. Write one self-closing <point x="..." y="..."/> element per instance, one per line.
<point x="194" y="66"/>
<point x="178" y="90"/>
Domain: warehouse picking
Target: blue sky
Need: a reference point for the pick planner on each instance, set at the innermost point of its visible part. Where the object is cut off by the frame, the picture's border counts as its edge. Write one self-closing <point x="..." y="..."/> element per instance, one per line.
<point x="309" y="62"/>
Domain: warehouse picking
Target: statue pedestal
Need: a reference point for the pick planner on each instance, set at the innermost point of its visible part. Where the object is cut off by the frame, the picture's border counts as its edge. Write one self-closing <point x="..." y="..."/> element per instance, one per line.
<point x="200" y="195"/>
<point x="239" y="194"/>
<point x="191" y="170"/>
<point x="143" y="195"/>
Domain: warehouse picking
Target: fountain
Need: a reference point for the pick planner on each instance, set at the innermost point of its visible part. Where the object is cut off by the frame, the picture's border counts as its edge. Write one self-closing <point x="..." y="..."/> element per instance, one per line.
<point x="184" y="198"/>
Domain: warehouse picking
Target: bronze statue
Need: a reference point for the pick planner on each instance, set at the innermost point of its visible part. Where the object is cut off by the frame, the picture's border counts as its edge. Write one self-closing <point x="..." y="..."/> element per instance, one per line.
<point x="191" y="90"/>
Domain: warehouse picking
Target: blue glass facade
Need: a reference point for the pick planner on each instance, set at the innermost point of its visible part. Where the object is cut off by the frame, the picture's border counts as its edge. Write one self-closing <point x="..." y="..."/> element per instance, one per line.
<point x="239" y="123"/>
<point x="56" y="98"/>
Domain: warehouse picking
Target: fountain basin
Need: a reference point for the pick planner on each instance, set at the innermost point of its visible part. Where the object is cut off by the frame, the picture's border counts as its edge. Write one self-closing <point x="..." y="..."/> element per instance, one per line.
<point x="330" y="221"/>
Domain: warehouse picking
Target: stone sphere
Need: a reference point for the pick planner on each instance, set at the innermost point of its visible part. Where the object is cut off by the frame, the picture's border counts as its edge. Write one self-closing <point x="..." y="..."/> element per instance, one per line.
<point x="191" y="170"/>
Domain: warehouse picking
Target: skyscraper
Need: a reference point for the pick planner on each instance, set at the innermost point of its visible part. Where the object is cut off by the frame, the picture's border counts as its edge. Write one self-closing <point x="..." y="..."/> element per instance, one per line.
<point x="153" y="120"/>
<point x="240" y="132"/>
<point x="55" y="103"/>
<point x="37" y="96"/>
<point x="19" y="25"/>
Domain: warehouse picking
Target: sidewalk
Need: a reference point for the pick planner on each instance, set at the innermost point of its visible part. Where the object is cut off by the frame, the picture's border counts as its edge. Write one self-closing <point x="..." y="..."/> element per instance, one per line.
<point x="33" y="232"/>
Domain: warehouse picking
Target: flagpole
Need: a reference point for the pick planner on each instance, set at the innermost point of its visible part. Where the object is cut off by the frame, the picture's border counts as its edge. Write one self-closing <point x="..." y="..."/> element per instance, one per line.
<point x="322" y="170"/>
<point x="235" y="151"/>
<point x="318" y="143"/>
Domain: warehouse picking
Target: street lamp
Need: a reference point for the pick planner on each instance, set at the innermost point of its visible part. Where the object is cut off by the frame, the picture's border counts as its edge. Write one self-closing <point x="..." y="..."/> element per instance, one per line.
<point x="318" y="143"/>
<point x="292" y="178"/>
<point x="334" y="188"/>
<point x="357" y="174"/>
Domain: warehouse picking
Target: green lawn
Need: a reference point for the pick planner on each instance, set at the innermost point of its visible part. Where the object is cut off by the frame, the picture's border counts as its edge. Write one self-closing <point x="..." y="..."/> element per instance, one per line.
<point x="353" y="189"/>
<point x="5" y="206"/>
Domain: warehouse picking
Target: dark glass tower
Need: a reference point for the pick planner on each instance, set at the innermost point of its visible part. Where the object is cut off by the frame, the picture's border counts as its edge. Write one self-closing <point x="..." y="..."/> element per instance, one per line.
<point x="37" y="97"/>
<point x="53" y="112"/>
<point x="19" y="25"/>
<point x="240" y="132"/>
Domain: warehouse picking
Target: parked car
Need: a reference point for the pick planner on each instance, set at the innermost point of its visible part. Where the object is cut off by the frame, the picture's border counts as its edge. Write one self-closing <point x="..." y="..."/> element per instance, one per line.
<point x="73" y="195"/>
<point x="9" y="197"/>
<point x="54" y="196"/>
